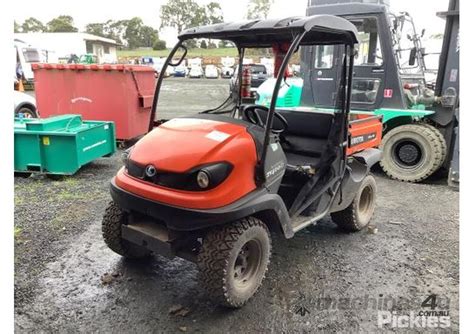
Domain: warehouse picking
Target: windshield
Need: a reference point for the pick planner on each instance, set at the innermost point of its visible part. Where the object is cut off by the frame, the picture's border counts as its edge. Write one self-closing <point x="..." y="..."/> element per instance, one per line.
<point x="196" y="84"/>
<point x="258" y="69"/>
<point x="207" y="86"/>
<point x="31" y="55"/>
<point x="406" y="41"/>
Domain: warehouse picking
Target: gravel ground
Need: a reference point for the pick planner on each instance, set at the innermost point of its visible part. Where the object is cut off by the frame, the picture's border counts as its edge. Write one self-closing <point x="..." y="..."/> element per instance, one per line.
<point x="67" y="280"/>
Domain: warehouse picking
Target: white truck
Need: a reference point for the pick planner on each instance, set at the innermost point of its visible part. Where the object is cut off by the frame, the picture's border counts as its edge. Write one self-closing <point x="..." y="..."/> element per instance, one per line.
<point x="26" y="55"/>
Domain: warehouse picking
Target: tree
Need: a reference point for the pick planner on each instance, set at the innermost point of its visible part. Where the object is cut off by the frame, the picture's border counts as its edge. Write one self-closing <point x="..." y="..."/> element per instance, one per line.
<point x="258" y="9"/>
<point x="159" y="45"/>
<point x="109" y="29"/>
<point x="115" y="30"/>
<point x="97" y="29"/>
<point x="180" y="14"/>
<point x="183" y="14"/>
<point x="132" y="32"/>
<point x="33" y="25"/>
<point x="16" y="27"/>
<point x="213" y="13"/>
<point x="62" y="23"/>
<point x="203" y="44"/>
<point x="137" y="34"/>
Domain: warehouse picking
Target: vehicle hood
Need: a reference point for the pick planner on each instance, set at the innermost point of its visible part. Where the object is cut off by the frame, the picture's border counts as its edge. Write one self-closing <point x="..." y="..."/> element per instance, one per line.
<point x="184" y="143"/>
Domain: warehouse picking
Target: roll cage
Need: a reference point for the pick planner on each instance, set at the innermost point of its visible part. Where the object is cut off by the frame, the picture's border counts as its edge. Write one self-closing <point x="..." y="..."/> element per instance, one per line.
<point x="295" y="32"/>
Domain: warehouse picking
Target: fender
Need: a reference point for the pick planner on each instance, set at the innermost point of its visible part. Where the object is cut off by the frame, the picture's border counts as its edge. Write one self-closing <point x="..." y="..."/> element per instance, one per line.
<point x="177" y="218"/>
<point x="27" y="105"/>
<point x="356" y="170"/>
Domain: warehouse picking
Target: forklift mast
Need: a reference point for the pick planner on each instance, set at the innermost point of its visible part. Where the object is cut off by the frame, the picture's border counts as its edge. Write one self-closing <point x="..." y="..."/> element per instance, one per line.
<point x="447" y="86"/>
<point x="448" y="69"/>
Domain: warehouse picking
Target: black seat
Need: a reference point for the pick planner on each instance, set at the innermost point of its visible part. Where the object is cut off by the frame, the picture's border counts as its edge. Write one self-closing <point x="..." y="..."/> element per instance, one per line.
<point x="306" y="137"/>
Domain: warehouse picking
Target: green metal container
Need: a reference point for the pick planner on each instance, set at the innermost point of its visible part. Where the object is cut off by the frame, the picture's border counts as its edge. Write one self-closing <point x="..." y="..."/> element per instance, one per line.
<point x="60" y="144"/>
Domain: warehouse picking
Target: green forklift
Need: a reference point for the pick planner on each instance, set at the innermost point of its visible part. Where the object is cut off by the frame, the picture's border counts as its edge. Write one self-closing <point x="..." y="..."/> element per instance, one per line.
<point x="421" y="125"/>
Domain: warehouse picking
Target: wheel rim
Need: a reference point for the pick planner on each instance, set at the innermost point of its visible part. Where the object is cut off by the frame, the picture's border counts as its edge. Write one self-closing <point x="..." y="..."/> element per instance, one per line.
<point x="247" y="264"/>
<point x="26" y="114"/>
<point x="408" y="154"/>
<point x="366" y="200"/>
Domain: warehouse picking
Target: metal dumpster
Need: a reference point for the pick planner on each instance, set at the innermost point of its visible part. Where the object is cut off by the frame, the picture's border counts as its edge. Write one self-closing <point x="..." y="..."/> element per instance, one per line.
<point x="61" y="144"/>
<point x="119" y="93"/>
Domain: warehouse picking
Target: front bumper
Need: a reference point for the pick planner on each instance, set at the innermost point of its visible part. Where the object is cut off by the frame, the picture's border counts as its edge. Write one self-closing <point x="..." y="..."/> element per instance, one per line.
<point x="185" y="219"/>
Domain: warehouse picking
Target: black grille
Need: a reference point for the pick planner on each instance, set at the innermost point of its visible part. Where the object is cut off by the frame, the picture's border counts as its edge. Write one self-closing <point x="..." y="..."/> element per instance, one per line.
<point x="135" y="170"/>
<point x="184" y="181"/>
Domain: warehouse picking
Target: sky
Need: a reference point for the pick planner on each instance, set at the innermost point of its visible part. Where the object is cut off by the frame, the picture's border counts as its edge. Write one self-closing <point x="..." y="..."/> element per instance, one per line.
<point x="89" y="11"/>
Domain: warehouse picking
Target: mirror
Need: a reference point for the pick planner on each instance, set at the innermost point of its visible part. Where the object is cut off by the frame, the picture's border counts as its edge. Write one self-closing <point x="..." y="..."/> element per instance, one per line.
<point x="412" y="59"/>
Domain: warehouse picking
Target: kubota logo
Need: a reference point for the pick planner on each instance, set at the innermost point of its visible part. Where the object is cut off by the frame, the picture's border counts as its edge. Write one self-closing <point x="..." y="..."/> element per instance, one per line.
<point x="150" y="171"/>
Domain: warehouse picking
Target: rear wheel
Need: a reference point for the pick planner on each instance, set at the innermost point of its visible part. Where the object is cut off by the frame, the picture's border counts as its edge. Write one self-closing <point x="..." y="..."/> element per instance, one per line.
<point x="358" y="214"/>
<point x="112" y="222"/>
<point x="412" y="152"/>
<point x="27" y="113"/>
<point x="233" y="261"/>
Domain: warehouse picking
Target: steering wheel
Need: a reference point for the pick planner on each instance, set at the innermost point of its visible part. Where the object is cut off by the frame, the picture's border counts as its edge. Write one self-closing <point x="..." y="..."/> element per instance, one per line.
<point x="250" y="113"/>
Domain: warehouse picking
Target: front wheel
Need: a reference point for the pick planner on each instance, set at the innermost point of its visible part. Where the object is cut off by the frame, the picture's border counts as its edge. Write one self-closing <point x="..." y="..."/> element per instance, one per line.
<point x="112" y="222"/>
<point x="27" y="113"/>
<point x="233" y="261"/>
<point x="358" y="214"/>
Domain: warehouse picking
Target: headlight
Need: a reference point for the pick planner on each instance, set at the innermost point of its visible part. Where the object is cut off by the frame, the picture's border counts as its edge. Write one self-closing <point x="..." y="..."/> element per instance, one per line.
<point x="202" y="179"/>
<point x="125" y="155"/>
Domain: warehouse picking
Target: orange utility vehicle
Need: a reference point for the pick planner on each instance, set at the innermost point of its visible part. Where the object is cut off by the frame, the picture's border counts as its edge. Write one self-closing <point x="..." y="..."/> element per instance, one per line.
<point x="210" y="187"/>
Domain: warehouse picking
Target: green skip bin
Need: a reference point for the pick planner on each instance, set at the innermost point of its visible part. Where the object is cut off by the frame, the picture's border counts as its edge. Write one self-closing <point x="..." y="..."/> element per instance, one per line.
<point x="60" y="145"/>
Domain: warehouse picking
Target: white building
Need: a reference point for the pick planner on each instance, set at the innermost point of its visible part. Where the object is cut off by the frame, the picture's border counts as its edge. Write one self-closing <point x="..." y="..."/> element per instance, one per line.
<point x="63" y="44"/>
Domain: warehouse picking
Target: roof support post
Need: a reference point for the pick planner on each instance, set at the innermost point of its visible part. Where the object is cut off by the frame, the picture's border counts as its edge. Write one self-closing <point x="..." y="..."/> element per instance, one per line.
<point x="271" y="111"/>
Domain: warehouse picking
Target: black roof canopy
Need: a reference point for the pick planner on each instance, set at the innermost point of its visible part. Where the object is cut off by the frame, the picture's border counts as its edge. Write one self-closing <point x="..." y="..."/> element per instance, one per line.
<point x="320" y="29"/>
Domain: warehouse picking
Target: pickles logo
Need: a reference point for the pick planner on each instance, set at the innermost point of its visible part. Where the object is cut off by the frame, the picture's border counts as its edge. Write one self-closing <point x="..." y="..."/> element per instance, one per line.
<point x="436" y="316"/>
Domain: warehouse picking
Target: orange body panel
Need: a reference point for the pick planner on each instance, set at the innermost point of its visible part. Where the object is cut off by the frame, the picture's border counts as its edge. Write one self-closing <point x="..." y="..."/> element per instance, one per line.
<point x="182" y="144"/>
<point x="369" y="131"/>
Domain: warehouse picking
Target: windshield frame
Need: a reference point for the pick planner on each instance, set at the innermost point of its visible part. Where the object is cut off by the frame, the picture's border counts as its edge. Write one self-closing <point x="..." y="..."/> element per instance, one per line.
<point x="344" y="88"/>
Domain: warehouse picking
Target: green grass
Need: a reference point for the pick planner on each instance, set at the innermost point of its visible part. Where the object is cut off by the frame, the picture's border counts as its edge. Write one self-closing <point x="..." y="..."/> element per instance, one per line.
<point x="196" y="52"/>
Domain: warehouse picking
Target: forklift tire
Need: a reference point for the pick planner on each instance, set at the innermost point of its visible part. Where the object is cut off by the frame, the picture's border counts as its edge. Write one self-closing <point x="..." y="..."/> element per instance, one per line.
<point x="358" y="214"/>
<point x="233" y="261"/>
<point x="412" y="152"/>
<point x="112" y="222"/>
<point x="442" y="141"/>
